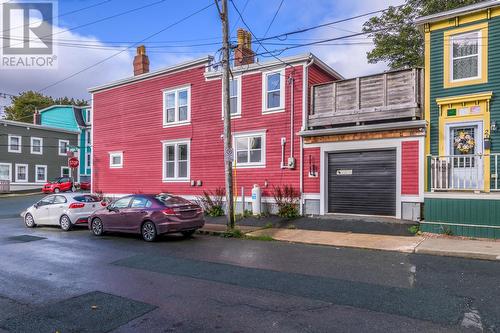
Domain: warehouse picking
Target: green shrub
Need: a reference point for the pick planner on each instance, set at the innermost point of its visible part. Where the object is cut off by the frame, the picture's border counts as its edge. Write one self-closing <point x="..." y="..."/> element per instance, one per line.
<point x="287" y="199"/>
<point x="212" y="202"/>
<point x="414" y="229"/>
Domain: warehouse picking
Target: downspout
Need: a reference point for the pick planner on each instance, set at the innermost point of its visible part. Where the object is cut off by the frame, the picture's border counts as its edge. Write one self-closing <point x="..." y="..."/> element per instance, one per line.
<point x="305" y="91"/>
<point x="285" y="164"/>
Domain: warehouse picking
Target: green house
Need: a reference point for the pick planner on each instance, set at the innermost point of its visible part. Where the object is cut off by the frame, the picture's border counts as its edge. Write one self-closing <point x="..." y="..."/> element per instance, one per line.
<point x="462" y="108"/>
<point x="74" y="118"/>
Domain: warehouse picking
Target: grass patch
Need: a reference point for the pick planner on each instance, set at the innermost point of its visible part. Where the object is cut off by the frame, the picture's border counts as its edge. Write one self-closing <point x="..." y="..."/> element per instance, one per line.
<point x="264" y="238"/>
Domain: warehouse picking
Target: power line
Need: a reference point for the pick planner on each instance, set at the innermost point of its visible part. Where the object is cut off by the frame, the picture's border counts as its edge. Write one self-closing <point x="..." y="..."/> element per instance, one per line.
<point x="271" y="23"/>
<point x="127" y="48"/>
<point x="99" y="20"/>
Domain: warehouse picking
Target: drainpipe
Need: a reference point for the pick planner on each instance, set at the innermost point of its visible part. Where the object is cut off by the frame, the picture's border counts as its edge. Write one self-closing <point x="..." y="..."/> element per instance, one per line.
<point x="285" y="163"/>
<point x="305" y="91"/>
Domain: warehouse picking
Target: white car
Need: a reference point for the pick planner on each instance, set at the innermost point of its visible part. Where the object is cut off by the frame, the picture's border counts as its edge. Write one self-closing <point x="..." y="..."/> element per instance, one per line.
<point x="63" y="209"/>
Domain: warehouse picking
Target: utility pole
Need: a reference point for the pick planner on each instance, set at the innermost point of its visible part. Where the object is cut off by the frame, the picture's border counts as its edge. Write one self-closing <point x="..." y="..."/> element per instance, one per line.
<point x="228" y="149"/>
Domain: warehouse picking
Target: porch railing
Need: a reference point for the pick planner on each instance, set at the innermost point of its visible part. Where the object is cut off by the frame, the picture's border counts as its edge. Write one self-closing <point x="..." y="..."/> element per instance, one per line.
<point x="463" y="172"/>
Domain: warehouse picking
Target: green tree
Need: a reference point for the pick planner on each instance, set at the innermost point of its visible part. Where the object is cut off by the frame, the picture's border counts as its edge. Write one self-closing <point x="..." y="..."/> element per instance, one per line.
<point x="24" y="105"/>
<point x="397" y="40"/>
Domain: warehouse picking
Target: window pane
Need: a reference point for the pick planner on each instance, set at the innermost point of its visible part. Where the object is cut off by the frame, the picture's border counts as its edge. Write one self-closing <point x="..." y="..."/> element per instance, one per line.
<point x="183" y="98"/>
<point x="170" y="153"/>
<point x="183" y="113"/>
<point x="170" y="101"/>
<point x="138" y="203"/>
<point x="117" y="160"/>
<point x="233" y="105"/>
<point x="273" y="99"/>
<point x="14" y="143"/>
<point x="255" y="142"/>
<point x="183" y="152"/>
<point x="170" y="115"/>
<point x="170" y="169"/>
<point x="242" y="157"/>
<point x="183" y="169"/>
<point x="59" y="199"/>
<point x="63" y="148"/>
<point x="465" y="67"/>
<point x="255" y="156"/>
<point x="4" y="172"/>
<point x="233" y="88"/>
<point x="465" y="44"/>
<point x="241" y="143"/>
<point x="40" y="173"/>
<point x="273" y="82"/>
<point x="122" y="203"/>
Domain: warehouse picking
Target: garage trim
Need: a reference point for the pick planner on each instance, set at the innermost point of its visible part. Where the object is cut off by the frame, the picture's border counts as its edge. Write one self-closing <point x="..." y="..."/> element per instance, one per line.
<point x="337" y="147"/>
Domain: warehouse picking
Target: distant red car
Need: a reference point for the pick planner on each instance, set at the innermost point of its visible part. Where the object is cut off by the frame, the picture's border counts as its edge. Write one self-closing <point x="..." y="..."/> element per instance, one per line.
<point x="61" y="184"/>
<point x="85" y="186"/>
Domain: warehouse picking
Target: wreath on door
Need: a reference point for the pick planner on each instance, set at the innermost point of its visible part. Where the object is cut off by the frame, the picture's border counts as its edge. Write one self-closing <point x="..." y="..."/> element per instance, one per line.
<point x="464" y="142"/>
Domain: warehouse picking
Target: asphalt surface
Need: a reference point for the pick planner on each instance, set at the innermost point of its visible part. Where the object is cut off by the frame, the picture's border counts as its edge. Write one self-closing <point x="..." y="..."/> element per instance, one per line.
<point x="75" y="282"/>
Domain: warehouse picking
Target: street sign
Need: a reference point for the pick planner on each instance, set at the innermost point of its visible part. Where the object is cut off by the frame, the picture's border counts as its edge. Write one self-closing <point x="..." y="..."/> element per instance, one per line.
<point x="73" y="162"/>
<point x="229" y="155"/>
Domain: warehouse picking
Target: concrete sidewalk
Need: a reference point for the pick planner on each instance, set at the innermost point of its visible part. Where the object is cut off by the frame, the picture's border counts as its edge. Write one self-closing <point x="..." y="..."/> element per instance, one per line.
<point x="475" y="249"/>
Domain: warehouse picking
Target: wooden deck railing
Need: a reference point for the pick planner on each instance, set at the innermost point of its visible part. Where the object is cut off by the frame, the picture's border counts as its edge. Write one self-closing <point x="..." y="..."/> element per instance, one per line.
<point x="387" y="96"/>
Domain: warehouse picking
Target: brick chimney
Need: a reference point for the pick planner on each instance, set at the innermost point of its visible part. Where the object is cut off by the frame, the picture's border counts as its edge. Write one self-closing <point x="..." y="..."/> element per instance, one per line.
<point x="141" y="61"/>
<point x="37" y="119"/>
<point x="243" y="54"/>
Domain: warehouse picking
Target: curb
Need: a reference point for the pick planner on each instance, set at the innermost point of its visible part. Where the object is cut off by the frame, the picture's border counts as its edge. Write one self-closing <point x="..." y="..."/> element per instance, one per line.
<point x="13" y="195"/>
<point x="458" y="254"/>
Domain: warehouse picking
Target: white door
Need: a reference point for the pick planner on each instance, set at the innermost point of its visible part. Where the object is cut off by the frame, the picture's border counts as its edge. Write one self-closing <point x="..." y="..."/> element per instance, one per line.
<point x="41" y="212"/>
<point x="56" y="209"/>
<point x="465" y="161"/>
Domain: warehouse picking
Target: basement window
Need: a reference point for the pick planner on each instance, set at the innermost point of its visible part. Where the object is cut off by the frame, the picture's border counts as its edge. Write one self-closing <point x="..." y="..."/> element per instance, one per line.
<point x="116" y="159"/>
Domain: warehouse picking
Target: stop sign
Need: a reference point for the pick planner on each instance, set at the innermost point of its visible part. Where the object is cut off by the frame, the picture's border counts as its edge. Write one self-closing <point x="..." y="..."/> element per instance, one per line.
<point x="73" y="162"/>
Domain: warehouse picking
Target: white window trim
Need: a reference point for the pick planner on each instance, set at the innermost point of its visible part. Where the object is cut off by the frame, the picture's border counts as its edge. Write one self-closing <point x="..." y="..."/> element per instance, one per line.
<point x="69" y="171"/>
<point x="27" y="173"/>
<point x="59" y="147"/>
<point x="36" y="173"/>
<point x="238" y="112"/>
<point x="262" y="163"/>
<point x="479" y="56"/>
<point x="175" y="143"/>
<point x="115" y="154"/>
<point x="41" y="145"/>
<point x="281" y="108"/>
<point x="10" y="150"/>
<point x="88" y="117"/>
<point x="176" y="91"/>
<point x="88" y="158"/>
<point x="10" y="170"/>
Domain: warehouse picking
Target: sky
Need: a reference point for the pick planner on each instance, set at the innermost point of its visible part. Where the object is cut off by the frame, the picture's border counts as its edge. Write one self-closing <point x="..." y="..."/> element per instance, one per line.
<point x="111" y="29"/>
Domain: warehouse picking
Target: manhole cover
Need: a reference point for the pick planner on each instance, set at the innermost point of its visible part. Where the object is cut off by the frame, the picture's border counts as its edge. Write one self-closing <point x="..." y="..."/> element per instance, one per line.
<point x="25" y="238"/>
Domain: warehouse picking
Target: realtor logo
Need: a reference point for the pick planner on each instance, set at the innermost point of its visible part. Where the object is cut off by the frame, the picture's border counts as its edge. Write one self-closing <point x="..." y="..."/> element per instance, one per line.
<point x="27" y="40"/>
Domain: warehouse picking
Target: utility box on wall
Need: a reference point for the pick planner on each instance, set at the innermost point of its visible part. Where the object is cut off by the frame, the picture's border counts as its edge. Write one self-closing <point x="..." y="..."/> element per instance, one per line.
<point x="410" y="211"/>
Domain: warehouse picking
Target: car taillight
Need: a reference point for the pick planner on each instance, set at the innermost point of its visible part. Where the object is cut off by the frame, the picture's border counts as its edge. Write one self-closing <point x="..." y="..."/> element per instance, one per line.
<point x="76" y="205"/>
<point x="104" y="203"/>
<point x="169" y="211"/>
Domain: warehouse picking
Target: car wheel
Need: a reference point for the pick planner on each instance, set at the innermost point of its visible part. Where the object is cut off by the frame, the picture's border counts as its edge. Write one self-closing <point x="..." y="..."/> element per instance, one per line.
<point x="56" y="190"/>
<point x="29" y="221"/>
<point x="188" y="233"/>
<point x="148" y="231"/>
<point x="65" y="223"/>
<point x="97" y="227"/>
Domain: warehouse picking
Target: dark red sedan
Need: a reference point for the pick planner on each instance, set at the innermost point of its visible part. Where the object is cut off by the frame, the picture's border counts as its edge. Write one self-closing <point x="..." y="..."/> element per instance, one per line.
<point x="149" y="215"/>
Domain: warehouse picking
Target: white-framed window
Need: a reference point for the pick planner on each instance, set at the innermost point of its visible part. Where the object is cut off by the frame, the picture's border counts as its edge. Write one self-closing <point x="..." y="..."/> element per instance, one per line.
<point x="65" y="171"/>
<point x="88" y="118"/>
<point x="116" y="159"/>
<point x="6" y="171"/>
<point x="63" y="147"/>
<point x="250" y="149"/>
<point x="40" y="173"/>
<point x="177" y="106"/>
<point x="36" y="145"/>
<point x="273" y="91"/>
<point x="21" y="173"/>
<point x="89" y="138"/>
<point x="15" y="143"/>
<point x="88" y="160"/>
<point x="234" y="97"/>
<point x="465" y="56"/>
<point x="176" y="160"/>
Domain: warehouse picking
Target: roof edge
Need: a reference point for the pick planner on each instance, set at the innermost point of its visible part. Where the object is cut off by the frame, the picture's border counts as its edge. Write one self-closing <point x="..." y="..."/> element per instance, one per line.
<point x="166" y="70"/>
<point x="41" y="127"/>
<point x="64" y="106"/>
<point x="457" y="12"/>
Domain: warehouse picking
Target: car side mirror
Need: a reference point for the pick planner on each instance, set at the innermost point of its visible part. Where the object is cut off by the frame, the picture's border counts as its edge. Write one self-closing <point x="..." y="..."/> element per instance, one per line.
<point x="36" y="205"/>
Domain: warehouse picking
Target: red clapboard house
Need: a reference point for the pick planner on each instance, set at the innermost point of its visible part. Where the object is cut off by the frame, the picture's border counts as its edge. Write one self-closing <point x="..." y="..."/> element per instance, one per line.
<point x="162" y="131"/>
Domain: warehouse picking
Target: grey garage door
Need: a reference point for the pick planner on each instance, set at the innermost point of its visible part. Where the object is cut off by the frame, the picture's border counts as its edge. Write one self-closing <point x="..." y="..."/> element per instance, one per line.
<point x="362" y="182"/>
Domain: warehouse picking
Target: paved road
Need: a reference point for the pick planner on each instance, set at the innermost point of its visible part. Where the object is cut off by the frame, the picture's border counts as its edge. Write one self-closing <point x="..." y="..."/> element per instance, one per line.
<point x="74" y="282"/>
<point x="12" y="206"/>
